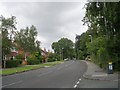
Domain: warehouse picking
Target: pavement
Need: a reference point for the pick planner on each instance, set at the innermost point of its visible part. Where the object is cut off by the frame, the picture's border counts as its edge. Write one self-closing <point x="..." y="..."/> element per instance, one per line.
<point x="94" y="72"/>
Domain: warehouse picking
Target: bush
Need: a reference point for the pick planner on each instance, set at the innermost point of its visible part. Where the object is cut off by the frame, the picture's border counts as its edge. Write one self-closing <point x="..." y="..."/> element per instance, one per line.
<point x="52" y="57"/>
<point x="20" y="61"/>
<point x="32" y="62"/>
<point x="13" y="63"/>
<point x="38" y="56"/>
<point x="20" y="56"/>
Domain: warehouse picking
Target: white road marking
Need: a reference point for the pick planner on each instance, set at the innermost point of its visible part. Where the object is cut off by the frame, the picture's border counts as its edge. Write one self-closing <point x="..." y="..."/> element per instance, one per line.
<point x="78" y="82"/>
<point x="12" y="83"/>
<point x="75" y="86"/>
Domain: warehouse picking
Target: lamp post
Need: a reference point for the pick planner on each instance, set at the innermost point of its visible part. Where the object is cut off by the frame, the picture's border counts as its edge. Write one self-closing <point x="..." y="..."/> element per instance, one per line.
<point x="91" y="38"/>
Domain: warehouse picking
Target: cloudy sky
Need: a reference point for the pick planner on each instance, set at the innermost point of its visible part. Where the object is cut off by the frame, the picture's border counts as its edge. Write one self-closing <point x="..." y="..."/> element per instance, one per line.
<point x="53" y="20"/>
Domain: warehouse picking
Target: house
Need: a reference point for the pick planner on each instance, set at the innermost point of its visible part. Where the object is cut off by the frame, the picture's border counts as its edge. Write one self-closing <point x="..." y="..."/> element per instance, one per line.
<point x="13" y="53"/>
<point x="44" y="55"/>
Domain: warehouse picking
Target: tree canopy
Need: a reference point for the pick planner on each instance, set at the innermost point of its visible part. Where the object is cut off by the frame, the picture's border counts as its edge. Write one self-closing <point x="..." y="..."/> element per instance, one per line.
<point x="103" y="23"/>
<point x="64" y="47"/>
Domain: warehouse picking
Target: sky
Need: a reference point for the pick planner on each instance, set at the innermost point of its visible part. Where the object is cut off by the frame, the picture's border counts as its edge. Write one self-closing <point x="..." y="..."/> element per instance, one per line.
<point x="53" y="20"/>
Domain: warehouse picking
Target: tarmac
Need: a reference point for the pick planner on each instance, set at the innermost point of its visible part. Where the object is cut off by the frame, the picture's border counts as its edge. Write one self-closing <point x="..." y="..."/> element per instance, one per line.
<point x="94" y="72"/>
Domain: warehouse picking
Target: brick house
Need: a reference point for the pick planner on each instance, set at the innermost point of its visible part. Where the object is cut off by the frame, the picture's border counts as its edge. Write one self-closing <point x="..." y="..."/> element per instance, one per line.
<point x="44" y="54"/>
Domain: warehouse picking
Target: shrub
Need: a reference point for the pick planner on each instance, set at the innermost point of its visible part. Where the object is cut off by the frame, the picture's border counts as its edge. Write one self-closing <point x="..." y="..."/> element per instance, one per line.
<point x="38" y="56"/>
<point x="13" y="63"/>
<point x="20" y="61"/>
<point x="52" y="57"/>
<point x="32" y="60"/>
<point x="20" y="56"/>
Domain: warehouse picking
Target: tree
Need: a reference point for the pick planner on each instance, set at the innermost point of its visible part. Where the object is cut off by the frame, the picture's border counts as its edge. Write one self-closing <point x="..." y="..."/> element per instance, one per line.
<point x="64" y="47"/>
<point x="103" y="24"/>
<point x="7" y="28"/>
<point x="26" y="39"/>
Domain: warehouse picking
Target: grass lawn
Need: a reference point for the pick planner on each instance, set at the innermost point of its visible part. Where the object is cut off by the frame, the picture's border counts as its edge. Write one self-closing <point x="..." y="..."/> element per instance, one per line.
<point x="27" y="67"/>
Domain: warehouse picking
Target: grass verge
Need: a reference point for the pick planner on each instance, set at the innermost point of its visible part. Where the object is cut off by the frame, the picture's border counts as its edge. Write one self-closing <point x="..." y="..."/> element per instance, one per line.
<point x="27" y="68"/>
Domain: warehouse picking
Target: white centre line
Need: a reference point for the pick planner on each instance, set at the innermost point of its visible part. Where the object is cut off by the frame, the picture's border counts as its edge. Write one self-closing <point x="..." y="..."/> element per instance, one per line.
<point x="12" y="83"/>
<point x="78" y="82"/>
<point x="75" y="86"/>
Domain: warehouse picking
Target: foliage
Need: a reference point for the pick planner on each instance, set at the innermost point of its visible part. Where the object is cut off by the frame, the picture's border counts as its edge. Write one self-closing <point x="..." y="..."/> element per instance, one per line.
<point x="38" y="56"/>
<point x="53" y="57"/>
<point x="34" y="59"/>
<point x="96" y="44"/>
<point x="64" y="48"/>
<point x="103" y="26"/>
<point x="20" y="56"/>
<point x="13" y="63"/>
<point x="26" y="39"/>
<point x="7" y="28"/>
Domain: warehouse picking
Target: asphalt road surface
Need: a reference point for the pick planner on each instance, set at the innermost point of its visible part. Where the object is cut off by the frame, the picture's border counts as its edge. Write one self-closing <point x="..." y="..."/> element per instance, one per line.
<point x="66" y="75"/>
<point x="85" y="83"/>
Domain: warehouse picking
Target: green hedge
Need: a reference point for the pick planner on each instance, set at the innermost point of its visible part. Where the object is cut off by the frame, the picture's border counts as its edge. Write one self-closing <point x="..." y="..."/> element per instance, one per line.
<point x="13" y="63"/>
<point x="32" y="62"/>
<point x="51" y="59"/>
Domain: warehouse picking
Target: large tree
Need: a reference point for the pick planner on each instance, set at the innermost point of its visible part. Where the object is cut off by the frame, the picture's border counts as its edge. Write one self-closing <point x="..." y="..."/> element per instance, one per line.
<point x="103" y="23"/>
<point x="7" y="28"/>
<point x="64" y="47"/>
<point x="26" y="39"/>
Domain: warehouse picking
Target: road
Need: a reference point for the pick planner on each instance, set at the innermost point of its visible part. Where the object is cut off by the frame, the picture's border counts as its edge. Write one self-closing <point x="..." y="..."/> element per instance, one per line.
<point x="66" y="75"/>
<point x="60" y="76"/>
<point x="85" y="83"/>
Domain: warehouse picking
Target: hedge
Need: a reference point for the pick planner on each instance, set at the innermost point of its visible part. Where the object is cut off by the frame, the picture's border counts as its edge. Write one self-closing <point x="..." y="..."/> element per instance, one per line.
<point x="51" y="59"/>
<point x="13" y="63"/>
<point x="32" y="62"/>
